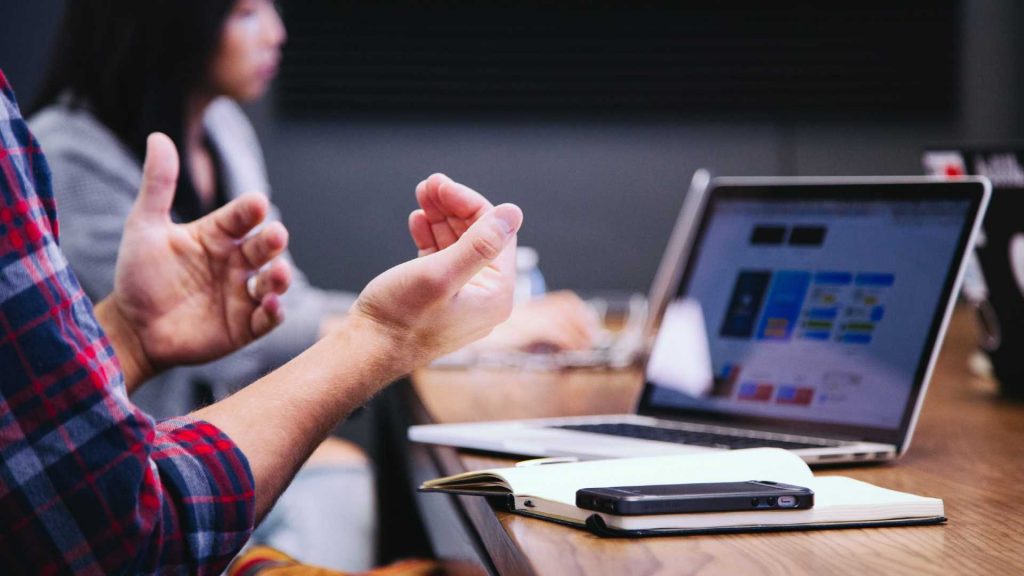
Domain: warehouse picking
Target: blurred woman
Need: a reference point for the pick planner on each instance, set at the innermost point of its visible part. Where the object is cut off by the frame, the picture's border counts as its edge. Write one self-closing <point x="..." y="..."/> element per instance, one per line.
<point x="123" y="69"/>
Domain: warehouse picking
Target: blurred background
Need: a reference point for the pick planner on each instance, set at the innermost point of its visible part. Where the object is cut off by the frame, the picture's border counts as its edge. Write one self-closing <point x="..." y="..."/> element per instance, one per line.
<point x="592" y="115"/>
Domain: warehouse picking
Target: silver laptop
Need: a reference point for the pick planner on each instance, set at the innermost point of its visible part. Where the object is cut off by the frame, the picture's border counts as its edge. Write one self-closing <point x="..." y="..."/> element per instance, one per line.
<point x="807" y="314"/>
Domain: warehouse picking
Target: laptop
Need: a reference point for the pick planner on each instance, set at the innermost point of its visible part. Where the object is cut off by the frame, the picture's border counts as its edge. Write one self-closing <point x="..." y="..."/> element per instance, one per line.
<point x="807" y="315"/>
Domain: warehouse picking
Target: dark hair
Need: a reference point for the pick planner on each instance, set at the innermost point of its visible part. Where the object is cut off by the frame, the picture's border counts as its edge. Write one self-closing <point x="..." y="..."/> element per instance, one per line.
<point x="133" y="63"/>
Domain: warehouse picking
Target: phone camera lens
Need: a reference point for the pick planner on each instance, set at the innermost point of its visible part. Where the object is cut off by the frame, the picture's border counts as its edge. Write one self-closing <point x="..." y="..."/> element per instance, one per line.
<point x="755" y="502"/>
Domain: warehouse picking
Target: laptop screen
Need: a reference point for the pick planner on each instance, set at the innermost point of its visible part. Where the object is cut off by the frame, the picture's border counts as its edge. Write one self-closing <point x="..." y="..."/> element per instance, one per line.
<point x="813" y="308"/>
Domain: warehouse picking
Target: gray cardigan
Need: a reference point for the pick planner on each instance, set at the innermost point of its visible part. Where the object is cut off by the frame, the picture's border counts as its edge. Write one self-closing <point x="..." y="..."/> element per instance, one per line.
<point x="95" y="180"/>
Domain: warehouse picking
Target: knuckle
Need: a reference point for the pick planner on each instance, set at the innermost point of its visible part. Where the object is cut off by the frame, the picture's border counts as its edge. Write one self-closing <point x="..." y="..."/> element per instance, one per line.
<point x="243" y="217"/>
<point x="160" y="178"/>
<point x="486" y="245"/>
<point x="253" y="253"/>
<point x="281" y="282"/>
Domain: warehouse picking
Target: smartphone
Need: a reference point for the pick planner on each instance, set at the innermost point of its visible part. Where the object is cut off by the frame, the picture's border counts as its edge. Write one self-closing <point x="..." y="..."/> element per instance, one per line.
<point x="703" y="497"/>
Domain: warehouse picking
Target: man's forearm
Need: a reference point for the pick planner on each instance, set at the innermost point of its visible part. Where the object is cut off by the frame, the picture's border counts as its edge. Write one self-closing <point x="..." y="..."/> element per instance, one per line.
<point x="281" y="418"/>
<point x="127" y="346"/>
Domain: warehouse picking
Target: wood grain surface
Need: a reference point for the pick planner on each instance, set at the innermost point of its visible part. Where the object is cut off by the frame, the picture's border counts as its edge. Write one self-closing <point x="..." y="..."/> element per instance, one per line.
<point x="968" y="450"/>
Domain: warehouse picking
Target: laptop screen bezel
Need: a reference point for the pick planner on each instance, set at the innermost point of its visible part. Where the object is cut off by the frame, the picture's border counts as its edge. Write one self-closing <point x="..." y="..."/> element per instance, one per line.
<point x="970" y="189"/>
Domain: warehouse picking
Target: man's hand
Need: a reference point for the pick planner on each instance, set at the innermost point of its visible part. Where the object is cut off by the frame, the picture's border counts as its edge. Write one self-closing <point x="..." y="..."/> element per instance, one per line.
<point x="180" y="290"/>
<point x="460" y="287"/>
<point x="456" y="292"/>
<point x="553" y="322"/>
<point x="560" y="320"/>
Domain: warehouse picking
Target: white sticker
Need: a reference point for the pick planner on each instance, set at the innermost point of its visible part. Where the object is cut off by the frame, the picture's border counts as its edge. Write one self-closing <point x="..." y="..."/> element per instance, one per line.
<point x="1017" y="259"/>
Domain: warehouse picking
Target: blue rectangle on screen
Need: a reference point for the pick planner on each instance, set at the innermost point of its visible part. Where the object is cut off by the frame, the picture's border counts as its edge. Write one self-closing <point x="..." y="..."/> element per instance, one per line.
<point x="823" y="313"/>
<point x="875" y="279"/>
<point x="782" y="307"/>
<point x="833" y="278"/>
<point x="877" y="313"/>
<point x="816" y="335"/>
<point x="857" y="338"/>
<point x="748" y="390"/>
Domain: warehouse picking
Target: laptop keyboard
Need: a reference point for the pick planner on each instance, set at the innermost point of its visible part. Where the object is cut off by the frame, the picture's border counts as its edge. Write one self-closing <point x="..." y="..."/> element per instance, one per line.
<point x="692" y="437"/>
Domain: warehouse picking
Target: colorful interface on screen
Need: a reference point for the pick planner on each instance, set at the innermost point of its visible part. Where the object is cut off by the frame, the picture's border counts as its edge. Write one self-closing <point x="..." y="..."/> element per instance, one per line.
<point x="811" y="310"/>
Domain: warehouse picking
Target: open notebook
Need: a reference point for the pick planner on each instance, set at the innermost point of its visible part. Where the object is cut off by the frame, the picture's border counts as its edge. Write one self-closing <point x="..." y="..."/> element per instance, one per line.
<point x="549" y="492"/>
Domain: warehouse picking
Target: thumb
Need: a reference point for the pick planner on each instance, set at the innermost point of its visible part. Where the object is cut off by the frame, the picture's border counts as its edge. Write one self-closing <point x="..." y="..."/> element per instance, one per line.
<point x="480" y="245"/>
<point x="159" y="177"/>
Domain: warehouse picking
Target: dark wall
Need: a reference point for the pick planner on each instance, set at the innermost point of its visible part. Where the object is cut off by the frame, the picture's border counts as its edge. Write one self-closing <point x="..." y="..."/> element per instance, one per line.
<point x="26" y="31"/>
<point x="600" y="196"/>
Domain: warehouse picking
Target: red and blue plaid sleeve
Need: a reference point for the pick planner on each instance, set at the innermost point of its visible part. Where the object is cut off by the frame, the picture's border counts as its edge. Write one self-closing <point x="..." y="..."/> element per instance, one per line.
<point x="88" y="483"/>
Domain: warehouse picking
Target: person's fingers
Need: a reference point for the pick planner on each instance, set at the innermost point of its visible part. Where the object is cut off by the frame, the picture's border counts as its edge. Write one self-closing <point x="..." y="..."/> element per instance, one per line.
<point x="572" y="304"/>
<point x="436" y="219"/>
<point x="422" y="237"/>
<point x="273" y="279"/>
<point x="553" y="339"/>
<point x="450" y="207"/>
<point x="267" y="315"/>
<point x="481" y="245"/>
<point x="559" y="319"/>
<point x="426" y="197"/>
<point x="561" y="332"/>
<point x="458" y="200"/>
<point x="159" y="178"/>
<point x="441" y="197"/>
<point x="578" y="336"/>
<point x="265" y="245"/>
<point x="583" y="336"/>
<point x="458" y="225"/>
<point x="443" y="234"/>
<point x="579" y="318"/>
<point x="236" y="218"/>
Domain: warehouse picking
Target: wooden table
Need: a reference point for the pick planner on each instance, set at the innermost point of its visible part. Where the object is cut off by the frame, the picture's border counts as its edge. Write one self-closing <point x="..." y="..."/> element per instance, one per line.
<point x="968" y="450"/>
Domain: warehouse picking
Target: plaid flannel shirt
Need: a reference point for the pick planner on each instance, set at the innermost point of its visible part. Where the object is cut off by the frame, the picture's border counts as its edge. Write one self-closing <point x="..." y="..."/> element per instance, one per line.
<point x="88" y="483"/>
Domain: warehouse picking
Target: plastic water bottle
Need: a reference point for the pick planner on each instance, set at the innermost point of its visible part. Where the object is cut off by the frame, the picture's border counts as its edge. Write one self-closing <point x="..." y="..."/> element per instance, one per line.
<point x="529" y="280"/>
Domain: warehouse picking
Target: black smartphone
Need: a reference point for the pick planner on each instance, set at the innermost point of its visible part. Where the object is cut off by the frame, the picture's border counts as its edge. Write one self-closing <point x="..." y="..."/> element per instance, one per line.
<point x="701" y="497"/>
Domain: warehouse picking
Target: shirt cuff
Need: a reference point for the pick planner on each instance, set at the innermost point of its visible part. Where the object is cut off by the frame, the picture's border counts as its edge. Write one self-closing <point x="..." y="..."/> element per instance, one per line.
<point x="217" y="499"/>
